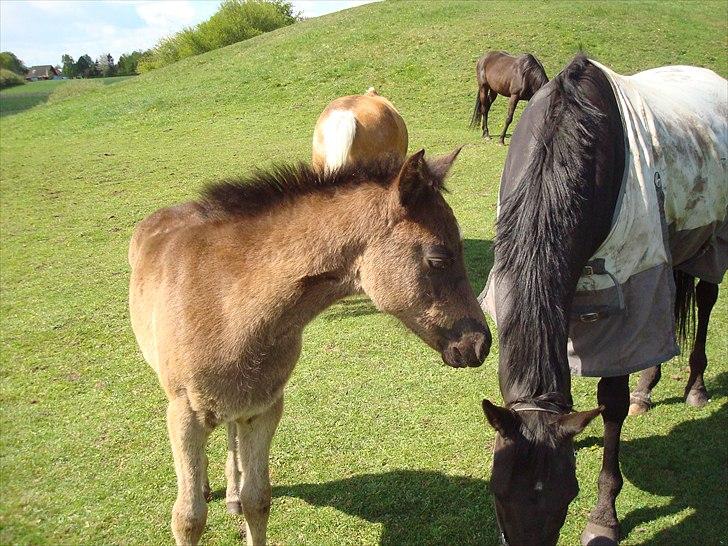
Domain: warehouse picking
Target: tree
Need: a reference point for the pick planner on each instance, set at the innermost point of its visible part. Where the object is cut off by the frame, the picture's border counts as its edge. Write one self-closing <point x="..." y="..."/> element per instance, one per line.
<point x="9" y="61"/>
<point x="106" y="66"/>
<point x="128" y="63"/>
<point x="69" y="66"/>
<point x="86" y="67"/>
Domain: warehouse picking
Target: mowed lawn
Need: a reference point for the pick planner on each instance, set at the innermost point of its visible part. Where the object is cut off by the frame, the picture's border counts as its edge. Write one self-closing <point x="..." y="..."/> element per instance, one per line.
<point x="379" y="443"/>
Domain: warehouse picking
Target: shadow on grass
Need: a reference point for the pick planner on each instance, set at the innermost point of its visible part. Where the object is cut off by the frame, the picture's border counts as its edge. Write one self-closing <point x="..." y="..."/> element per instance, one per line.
<point x="687" y="464"/>
<point x="414" y="507"/>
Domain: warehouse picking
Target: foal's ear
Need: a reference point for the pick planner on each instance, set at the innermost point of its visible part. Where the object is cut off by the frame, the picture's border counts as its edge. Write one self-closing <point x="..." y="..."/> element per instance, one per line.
<point x="501" y="419"/>
<point x="419" y="175"/>
<point x="572" y="424"/>
<point x="439" y="168"/>
<point x="411" y="180"/>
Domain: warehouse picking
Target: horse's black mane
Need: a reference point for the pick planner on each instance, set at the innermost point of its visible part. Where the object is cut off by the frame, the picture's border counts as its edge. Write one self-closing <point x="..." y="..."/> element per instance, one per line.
<point x="264" y="190"/>
<point x="535" y="225"/>
<point x="533" y="72"/>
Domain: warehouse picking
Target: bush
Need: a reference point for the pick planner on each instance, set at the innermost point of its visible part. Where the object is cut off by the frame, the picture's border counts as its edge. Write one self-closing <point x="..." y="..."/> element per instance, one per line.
<point x="235" y="21"/>
<point x="10" y="79"/>
<point x="74" y="88"/>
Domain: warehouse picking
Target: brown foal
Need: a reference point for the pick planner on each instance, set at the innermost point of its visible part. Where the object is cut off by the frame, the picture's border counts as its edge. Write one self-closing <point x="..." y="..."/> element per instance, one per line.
<point x="222" y="288"/>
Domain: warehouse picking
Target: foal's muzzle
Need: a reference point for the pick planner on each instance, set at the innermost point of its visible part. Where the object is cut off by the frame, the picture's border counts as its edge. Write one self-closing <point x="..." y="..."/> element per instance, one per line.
<point x="468" y="343"/>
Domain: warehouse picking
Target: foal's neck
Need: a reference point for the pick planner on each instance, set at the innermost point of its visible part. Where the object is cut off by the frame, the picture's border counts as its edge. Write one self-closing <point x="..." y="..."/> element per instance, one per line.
<point x="314" y="245"/>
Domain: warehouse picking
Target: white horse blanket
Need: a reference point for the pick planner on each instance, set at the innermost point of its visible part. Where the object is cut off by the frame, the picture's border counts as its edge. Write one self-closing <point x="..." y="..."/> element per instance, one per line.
<point x="672" y="212"/>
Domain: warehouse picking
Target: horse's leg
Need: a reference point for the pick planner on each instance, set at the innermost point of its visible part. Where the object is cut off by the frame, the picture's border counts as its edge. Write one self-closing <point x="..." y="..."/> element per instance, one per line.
<point x="232" y="471"/>
<point x="485" y="102"/>
<point x="706" y="294"/>
<point x="641" y="398"/>
<point x="254" y="437"/>
<point x="603" y="526"/>
<point x="512" y="102"/>
<point x="188" y="435"/>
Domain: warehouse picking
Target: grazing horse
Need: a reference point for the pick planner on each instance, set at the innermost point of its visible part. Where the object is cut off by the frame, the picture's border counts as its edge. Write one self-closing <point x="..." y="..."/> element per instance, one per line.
<point x="222" y="288"/>
<point x="356" y="128"/>
<point x="613" y="186"/>
<point x="515" y="77"/>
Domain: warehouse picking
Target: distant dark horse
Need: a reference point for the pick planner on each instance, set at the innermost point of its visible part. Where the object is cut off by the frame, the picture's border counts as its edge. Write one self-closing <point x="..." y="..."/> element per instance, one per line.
<point x="569" y="158"/>
<point x="499" y="73"/>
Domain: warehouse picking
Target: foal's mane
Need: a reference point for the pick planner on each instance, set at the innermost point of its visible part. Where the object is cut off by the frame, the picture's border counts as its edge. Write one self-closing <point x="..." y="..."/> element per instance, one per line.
<point x="534" y="227"/>
<point x="264" y="190"/>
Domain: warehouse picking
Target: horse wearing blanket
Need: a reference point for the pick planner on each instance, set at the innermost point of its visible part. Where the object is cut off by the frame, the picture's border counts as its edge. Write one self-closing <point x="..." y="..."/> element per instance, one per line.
<point x="613" y="200"/>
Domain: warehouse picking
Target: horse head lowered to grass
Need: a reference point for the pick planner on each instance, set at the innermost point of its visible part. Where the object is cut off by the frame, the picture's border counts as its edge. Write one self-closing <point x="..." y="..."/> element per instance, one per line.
<point x="613" y="200"/>
<point x="222" y="288"/>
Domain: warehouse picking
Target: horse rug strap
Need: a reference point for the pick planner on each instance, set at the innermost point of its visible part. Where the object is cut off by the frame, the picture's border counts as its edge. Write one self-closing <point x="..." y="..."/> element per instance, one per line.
<point x="672" y="212"/>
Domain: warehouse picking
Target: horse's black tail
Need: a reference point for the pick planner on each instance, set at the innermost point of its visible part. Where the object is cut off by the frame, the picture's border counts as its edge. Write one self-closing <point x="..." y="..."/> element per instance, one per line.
<point x="684" y="309"/>
<point x="477" y="112"/>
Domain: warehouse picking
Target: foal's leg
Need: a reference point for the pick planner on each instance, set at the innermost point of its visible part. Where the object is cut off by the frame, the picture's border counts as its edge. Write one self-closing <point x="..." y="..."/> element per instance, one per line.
<point x="512" y="102"/>
<point x="232" y="471"/>
<point x="603" y="526"/>
<point x="188" y="435"/>
<point x="254" y="437"/>
<point x="641" y="398"/>
<point x="696" y="394"/>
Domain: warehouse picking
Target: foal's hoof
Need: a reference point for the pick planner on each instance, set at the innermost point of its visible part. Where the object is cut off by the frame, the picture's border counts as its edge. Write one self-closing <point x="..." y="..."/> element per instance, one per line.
<point x="599" y="535"/>
<point x="697" y="398"/>
<point x="234" y="508"/>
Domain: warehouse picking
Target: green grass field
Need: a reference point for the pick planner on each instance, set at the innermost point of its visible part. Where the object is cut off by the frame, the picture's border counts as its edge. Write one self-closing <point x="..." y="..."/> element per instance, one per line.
<point x="18" y="99"/>
<point x="380" y="443"/>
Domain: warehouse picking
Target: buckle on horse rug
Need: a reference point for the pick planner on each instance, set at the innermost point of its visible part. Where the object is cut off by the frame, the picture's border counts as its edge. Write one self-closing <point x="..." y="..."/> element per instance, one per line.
<point x="590" y="314"/>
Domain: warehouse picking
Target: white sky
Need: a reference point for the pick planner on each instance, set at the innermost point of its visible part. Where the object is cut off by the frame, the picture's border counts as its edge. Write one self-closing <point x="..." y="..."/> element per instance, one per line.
<point x="40" y="31"/>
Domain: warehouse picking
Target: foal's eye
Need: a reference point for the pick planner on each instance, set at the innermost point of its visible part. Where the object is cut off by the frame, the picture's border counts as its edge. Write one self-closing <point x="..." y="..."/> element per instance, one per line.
<point x="438" y="262"/>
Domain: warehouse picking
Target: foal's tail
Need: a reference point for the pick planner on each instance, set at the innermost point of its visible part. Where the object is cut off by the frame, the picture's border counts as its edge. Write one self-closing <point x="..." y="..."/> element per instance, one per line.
<point x="338" y="135"/>
<point x="477" y="112"/>
<point x="684" y="309"/>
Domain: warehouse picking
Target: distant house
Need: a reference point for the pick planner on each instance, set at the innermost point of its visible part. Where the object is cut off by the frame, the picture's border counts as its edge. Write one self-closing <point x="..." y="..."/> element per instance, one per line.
<point x="41" y="72"/>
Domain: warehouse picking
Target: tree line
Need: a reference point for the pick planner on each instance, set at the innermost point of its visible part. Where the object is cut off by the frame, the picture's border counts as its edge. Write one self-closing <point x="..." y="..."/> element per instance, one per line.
<point x="235" y="20"/>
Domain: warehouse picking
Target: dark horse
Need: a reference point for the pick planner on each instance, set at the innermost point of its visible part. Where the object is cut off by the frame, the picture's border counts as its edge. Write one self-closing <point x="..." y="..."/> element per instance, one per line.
<point x="566" y="163"/>
<point x="515" y="77"/>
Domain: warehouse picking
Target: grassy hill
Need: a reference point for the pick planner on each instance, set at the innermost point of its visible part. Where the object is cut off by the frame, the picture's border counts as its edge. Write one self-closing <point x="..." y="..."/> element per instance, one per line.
<point x="379" y="443"/>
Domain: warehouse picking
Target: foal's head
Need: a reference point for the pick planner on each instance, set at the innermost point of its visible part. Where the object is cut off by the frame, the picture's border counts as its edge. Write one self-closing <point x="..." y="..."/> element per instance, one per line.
<point x="534" y="470"/>
<point x="415" y="270"/>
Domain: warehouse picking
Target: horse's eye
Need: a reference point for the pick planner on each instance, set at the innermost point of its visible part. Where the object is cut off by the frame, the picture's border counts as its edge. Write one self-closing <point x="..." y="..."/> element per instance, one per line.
<point x="438" y="262"/>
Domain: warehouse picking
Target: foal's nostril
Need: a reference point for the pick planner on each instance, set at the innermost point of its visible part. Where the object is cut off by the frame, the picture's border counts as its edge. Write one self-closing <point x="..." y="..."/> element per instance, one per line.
<point x="457" y="356"/>
<point x="481" y="349"/>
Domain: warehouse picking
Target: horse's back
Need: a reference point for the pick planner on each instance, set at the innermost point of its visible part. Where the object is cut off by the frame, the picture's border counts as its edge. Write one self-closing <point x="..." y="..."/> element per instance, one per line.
<point x="371" y="125"/>
<point x="686" y="109"/>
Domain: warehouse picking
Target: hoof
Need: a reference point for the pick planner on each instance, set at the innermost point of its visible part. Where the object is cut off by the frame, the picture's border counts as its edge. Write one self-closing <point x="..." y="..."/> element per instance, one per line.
<point x="234" y="508"/>
<point x="501" y="143"/>
<point x="599" y="535"/>
<point x="638" y="408"/>
<point x="697" y="398"/>
<point x="487" y="137"/>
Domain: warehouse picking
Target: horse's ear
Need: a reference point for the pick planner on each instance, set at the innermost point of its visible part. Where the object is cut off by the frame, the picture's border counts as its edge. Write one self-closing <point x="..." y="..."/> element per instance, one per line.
<point x="439" y="168"/>
<point x="411" y="180"/>
<point x="501" y="419"/>
<point x="572" y="424"/>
